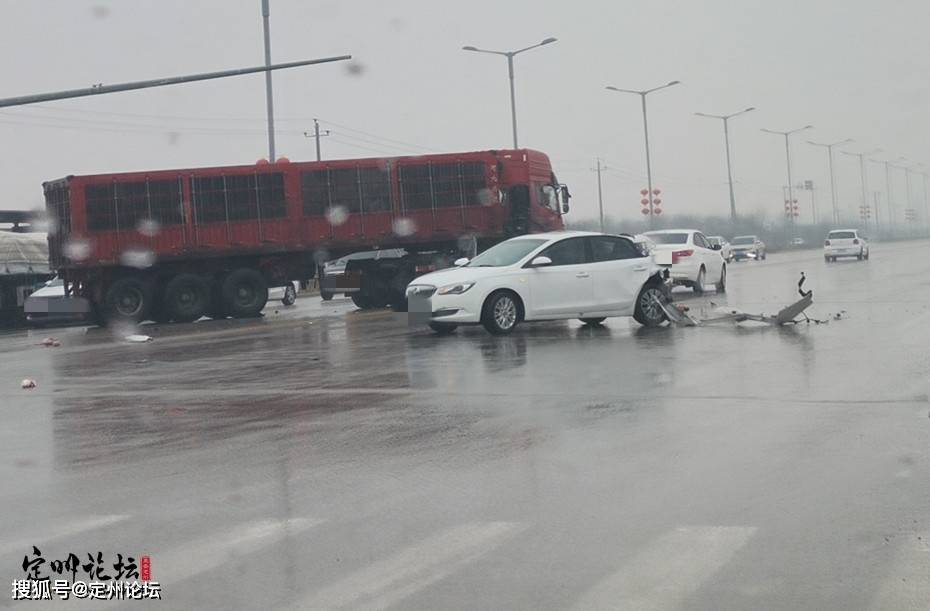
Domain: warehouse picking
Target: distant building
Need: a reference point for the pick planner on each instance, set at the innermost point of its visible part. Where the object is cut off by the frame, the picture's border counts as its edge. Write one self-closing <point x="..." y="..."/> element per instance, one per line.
<point x="23" y="268"/>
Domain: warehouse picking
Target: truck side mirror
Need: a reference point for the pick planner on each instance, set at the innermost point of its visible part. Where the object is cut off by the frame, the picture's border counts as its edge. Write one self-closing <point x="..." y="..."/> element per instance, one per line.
<point x="563" y="189"/>
<point x="564" y="208"/>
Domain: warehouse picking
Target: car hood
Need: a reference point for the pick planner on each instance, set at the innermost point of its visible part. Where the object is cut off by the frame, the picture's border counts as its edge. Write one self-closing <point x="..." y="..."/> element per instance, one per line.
<point x="458" y="274"/>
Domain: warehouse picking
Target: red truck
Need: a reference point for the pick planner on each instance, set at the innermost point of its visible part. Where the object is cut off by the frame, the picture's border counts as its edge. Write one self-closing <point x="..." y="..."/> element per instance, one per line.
<point x="180" y="244"/>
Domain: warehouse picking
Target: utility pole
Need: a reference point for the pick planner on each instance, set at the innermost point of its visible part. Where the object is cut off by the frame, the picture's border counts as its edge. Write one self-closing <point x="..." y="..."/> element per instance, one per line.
<point x="316" y="135"/>
<point x="600" y="193"/>
<point x="269" y="100"/>
<point x="878" y="224"/>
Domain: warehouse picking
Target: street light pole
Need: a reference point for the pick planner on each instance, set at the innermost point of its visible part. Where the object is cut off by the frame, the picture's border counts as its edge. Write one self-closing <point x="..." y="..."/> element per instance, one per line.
<point x="642" y="95"/>
<point x="863" y="178"/>
<point x="510" y="55"/>
<point x="600" y="194"/>
<point x="889" y="200"/>
<point x="829" y="147"/>
<point x="269" y="101"/>
<point x="788" y="162"/>
<point x="726" y="139"/>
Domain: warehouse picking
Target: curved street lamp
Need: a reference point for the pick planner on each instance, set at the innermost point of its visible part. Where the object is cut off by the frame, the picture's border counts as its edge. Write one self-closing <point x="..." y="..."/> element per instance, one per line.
<point x="510" y="55"/>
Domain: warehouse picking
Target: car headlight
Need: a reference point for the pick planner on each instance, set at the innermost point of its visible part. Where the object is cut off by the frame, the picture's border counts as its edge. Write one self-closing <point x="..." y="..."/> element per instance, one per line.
<point x="455" y="289"/>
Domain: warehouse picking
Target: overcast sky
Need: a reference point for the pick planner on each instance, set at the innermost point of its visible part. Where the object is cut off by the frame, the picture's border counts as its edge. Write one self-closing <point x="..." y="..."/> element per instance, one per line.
<point x="854" y="69"/>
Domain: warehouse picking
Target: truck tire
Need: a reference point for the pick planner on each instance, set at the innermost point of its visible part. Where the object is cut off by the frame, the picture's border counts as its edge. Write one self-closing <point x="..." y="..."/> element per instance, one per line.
<point x="127" y="299"/>
<point x="362" y="302"/>
<point x="593" y="322"/>
<point x="187" y="298"/>
<point x="326" y="295"/>
<point x="245" y="293"/>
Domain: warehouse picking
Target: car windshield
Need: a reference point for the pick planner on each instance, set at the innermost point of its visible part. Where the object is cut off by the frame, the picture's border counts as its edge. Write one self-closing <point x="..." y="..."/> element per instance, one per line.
<point x="744" y="239"/>
<point x="842" y="235"/>
<point x="506" y="253"/>
<point x="668" y="238"/>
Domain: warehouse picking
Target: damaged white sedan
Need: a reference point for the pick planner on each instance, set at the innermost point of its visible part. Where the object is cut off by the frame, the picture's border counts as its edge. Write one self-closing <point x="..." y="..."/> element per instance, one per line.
<point x="547" y="276"/>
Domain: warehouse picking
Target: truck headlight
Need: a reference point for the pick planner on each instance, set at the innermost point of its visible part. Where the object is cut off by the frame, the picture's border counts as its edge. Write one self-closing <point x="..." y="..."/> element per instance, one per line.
<point x="455" y="289"/>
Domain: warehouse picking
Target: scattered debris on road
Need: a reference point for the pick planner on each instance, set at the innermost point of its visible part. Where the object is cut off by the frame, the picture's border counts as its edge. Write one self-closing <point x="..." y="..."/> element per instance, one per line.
<point x="29" y="383"/>
<point x="788" y="315"/>
<point x="50" y="342"/>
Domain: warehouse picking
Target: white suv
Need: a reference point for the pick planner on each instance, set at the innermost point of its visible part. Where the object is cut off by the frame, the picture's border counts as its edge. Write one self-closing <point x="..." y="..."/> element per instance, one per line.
<point x="845" y="243"/>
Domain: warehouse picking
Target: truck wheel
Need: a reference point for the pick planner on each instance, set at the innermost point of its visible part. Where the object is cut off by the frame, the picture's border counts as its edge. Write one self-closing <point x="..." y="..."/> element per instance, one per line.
<point x="326" y="295"/>
<point x="361" y="301"/>
<point x="187" y="297"/>
<point x="442" y="328"/>
<point x="245" y="293"/>
<point x="128" y="299"/>
<point x="647" y="312"/>
<point x="500" y="313"/>
<point x="593" y="321"/>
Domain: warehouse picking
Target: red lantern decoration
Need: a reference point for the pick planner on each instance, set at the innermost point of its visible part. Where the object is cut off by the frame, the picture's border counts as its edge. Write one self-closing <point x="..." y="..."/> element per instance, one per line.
<point x="645" y="210"/>
<point x="644" y="192"/>
<point x="656" y="201"/>
<point x="657" y="211"/>
<point x="656" y="191"/>
<point x="644" y="202"/>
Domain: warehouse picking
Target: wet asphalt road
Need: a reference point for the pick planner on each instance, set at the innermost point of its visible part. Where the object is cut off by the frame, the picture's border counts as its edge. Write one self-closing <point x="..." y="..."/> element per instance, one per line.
<point x="326" y="458"/>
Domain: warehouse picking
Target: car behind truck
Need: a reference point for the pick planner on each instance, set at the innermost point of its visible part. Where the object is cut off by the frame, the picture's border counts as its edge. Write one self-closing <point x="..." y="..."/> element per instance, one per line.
<point x="176" y="245"/>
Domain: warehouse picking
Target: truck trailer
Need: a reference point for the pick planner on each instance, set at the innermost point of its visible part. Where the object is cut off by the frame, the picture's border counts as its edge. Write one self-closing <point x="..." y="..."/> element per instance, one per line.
<point x="176" y="245"/>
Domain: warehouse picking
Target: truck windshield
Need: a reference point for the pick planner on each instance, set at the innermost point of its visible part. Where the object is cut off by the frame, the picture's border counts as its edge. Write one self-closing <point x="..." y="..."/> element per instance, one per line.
<point x="745" y="239"/>
<point x="505" y="253"/>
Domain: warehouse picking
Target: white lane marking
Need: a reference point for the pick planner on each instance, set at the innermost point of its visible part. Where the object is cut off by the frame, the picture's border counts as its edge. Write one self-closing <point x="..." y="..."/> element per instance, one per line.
<point x="204" y="554"/>
<point x="388" y="581"/>
<point x="907" y="583"/>
<point x="672" y="567"/>
<point x="207" y="553"/>
<point x="24" y="545"/>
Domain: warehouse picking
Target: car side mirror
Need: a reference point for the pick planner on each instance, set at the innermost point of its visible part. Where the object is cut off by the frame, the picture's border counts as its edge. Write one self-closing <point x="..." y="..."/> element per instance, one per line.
<point x="541" y="261"/>
<point x="461" y="262"/>
<point x="717" y="247"/>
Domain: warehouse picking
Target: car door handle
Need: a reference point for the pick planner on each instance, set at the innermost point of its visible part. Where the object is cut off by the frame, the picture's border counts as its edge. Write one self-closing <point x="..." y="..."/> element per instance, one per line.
<point x="582" y="275"/>
<point x="640" y="268"/>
